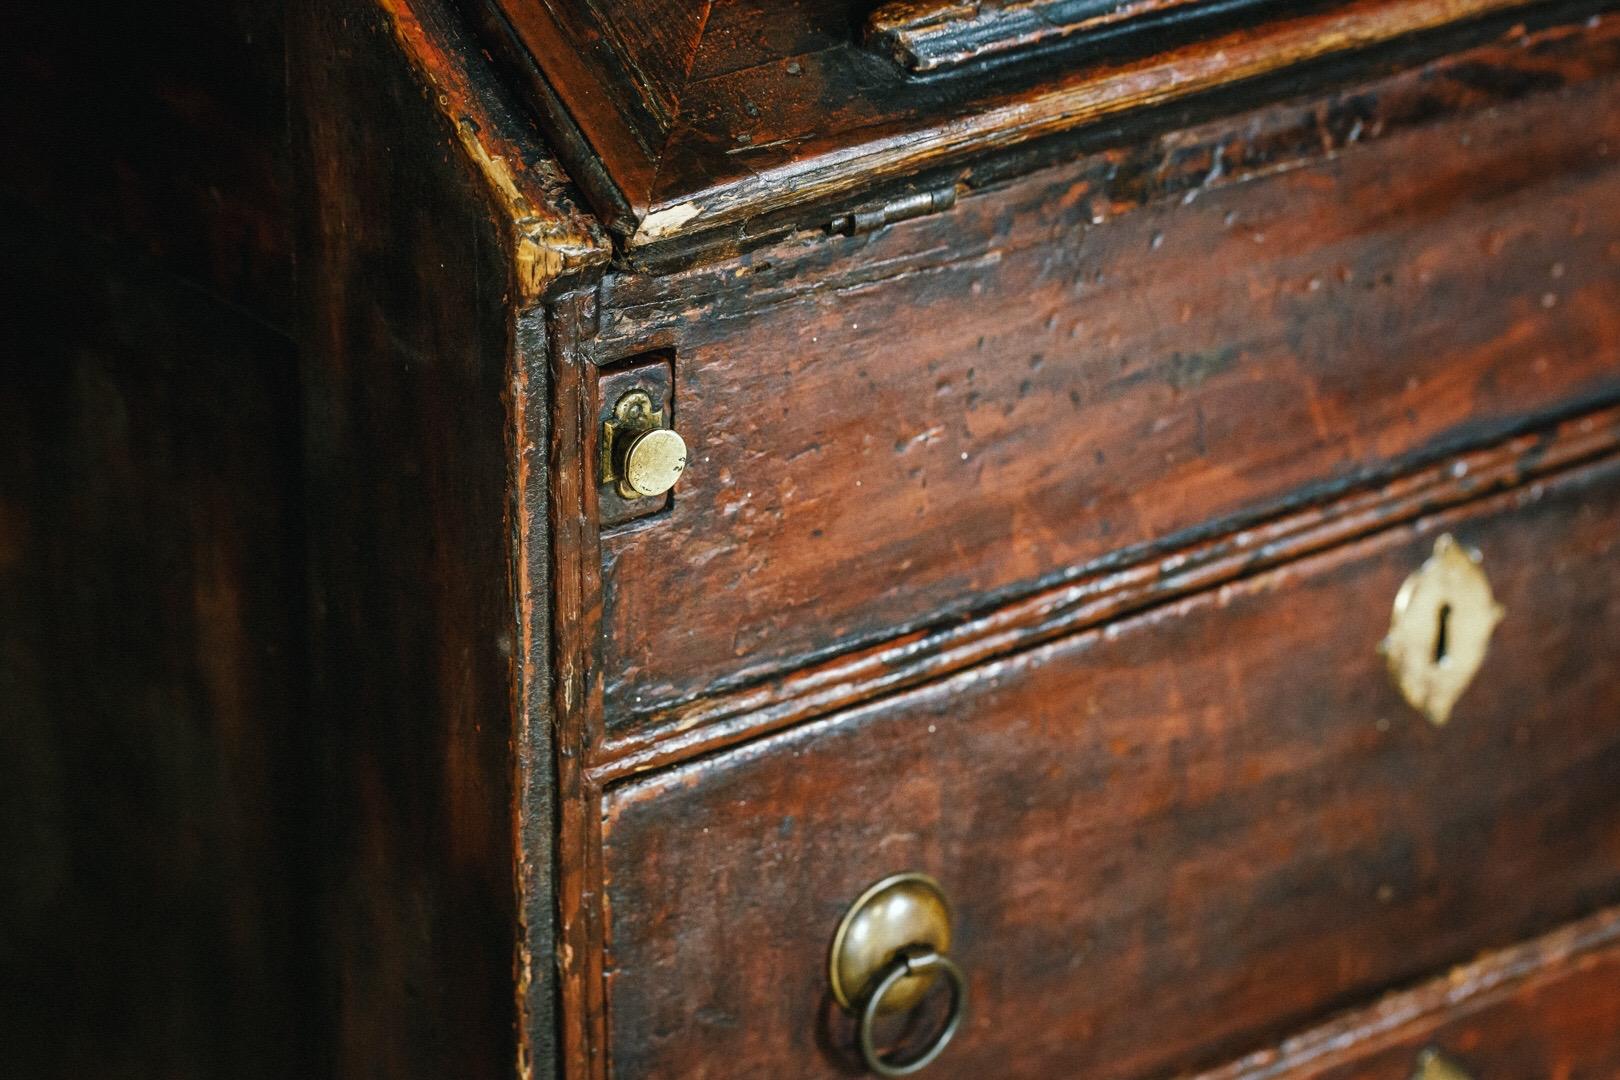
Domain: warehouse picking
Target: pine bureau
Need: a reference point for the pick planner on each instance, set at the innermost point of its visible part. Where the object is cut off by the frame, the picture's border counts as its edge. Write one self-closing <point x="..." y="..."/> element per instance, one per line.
<point x="1053" y="538"/>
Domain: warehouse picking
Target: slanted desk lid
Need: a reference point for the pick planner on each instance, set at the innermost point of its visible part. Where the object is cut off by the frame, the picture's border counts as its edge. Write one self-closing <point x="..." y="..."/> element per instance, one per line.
<point x="680" y="117"/>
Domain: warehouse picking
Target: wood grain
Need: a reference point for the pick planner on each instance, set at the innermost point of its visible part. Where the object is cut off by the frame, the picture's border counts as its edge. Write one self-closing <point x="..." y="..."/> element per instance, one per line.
<point x="552" y="243"/>
<point x="410" y="434"/>
<point x="1167" y="841"/>
<point x="894" y="431"/>
<point x="576" y="690"/>
<point x="804" y="115"/>
<point x="1112" y="591"/>
<point x="607" y="77"/>
<point x="323" y="753"/>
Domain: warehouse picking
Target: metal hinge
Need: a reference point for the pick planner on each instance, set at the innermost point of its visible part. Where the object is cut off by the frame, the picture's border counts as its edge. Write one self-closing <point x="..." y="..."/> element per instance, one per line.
<point x="916" y="205"/>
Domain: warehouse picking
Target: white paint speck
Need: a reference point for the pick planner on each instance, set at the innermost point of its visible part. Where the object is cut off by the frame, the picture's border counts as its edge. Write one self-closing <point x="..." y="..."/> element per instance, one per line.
<point x="669" y="219"/>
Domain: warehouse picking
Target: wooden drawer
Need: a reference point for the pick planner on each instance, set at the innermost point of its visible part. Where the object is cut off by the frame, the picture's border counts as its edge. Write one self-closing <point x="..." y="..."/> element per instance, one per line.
<point x="895" y="430"/>
<point x="1167" y="841"/>
<point x="1543" y="1009"/>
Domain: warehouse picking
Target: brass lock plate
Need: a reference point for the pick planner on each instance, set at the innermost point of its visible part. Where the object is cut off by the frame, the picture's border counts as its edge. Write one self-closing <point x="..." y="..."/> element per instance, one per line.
<point x="1440" y="629"/>
<point x="653" y="377"/>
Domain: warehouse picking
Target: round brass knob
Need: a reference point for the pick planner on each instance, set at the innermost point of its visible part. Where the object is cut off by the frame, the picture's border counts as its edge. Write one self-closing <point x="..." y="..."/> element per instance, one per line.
<point x="888" y="955"/>
<point x="653" y="461"/>
<point x="1433" y="1065"/>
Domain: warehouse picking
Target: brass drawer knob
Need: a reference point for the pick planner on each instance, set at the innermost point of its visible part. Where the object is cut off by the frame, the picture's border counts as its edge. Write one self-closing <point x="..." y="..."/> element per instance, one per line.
<point x="640" y="453"/>
<point x="1433" y="1065"/>
<point x="888" y="954"/>
<point x="1440" y="629"/>
<point x="653" y="462"/>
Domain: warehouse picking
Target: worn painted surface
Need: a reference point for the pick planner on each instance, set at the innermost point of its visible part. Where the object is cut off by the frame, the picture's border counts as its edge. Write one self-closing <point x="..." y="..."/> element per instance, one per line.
<point x="1165" y="841"/>
<point x="900" y="429"/>
<point x="693" y="118"/>
<point x="328" y="678"/>
<point x="1404" y="273"/>
<point x="1109" y="592"/>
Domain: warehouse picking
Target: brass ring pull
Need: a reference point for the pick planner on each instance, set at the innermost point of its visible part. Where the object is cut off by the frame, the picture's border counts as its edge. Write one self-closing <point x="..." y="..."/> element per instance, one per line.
<point x="915" y="960"/>
<point x="888" y="955"/>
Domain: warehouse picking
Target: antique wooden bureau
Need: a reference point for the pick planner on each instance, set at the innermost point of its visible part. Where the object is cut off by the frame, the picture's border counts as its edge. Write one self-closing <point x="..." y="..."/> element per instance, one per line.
<point x="804" y="538"/>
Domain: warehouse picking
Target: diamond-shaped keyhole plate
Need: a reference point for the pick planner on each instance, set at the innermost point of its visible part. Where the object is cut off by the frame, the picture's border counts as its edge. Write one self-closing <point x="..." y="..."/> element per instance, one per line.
<point x="1440" y="629"/>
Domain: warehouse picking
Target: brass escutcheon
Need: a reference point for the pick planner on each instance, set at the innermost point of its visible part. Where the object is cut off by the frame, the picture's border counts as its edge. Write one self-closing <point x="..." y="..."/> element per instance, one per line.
<point x="1440" y="629"/>
<point x="640" y="454"/>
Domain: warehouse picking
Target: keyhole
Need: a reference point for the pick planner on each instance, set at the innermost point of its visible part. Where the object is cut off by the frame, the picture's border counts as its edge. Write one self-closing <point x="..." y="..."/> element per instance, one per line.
<point x="1441" y="636"/>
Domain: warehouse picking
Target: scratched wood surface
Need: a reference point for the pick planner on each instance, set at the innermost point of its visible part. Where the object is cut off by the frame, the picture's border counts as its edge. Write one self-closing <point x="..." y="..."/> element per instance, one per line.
<point x="701" y="118"/>
<point x="1108" y="592"/>
<point x="933" y="35"/>
<point x="296" y="517"/>
<point x="1167" y="841"/>
<point x="900" y="428"/>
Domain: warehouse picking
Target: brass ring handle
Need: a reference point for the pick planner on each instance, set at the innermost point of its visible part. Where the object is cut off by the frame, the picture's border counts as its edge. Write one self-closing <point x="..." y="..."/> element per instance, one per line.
<point x="888" y="955"/>
<point x="913" y="960"/>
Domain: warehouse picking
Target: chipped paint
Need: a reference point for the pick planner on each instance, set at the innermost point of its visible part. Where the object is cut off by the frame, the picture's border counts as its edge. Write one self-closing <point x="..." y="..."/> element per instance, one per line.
<point x="551" y="238"/>
<point x="661" y="223"/>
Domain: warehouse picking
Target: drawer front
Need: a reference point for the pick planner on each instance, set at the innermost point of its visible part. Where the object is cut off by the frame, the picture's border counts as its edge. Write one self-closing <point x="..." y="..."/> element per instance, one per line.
<point x="1549" y="1008"/>
<point x="962" y="407"/>
<point x="1167" y="841"/>
<point x="1562" y="1023"/>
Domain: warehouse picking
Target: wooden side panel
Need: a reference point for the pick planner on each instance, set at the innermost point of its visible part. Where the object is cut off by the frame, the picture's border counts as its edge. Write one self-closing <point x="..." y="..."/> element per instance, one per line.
<point x="1547" y="1008"/>
<point x="157" y="756"/>
<point x="962" y="406"/>
<point x="408" y="373"/>
<point x="1166" y="841"/>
